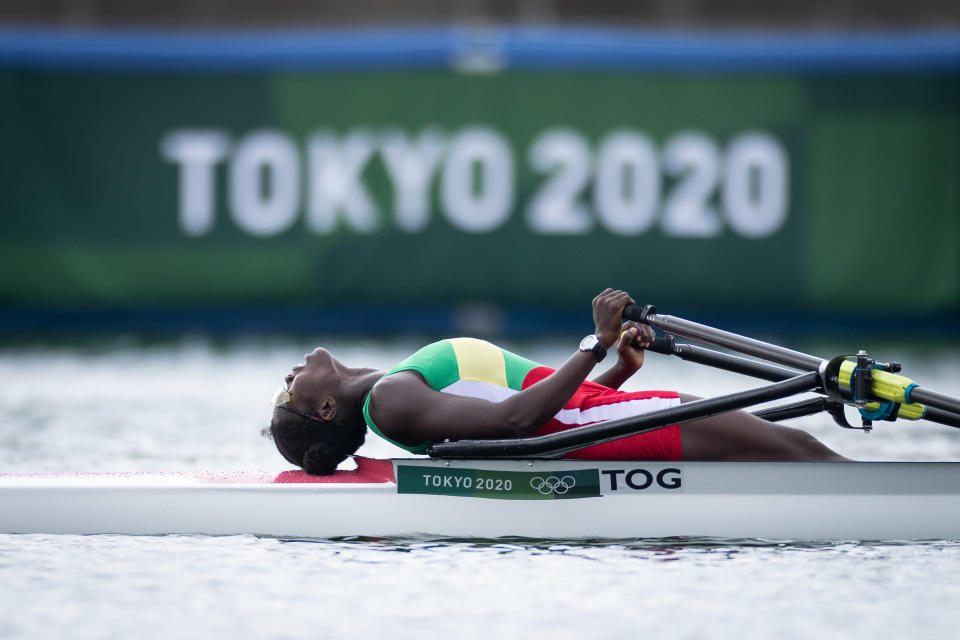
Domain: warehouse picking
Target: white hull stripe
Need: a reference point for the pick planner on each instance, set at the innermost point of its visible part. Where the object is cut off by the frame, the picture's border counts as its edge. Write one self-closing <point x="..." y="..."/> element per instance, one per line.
<point x="602" y="413"/>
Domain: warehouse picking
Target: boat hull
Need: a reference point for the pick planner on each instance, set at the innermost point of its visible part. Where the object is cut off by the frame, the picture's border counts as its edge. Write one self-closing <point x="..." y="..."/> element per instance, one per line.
<point x="490" y="499"/>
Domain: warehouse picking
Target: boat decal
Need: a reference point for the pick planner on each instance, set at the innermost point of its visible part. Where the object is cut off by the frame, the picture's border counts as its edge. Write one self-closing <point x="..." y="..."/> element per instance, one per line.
<point x="497" y="484"/>
<point x="642" y="479"/>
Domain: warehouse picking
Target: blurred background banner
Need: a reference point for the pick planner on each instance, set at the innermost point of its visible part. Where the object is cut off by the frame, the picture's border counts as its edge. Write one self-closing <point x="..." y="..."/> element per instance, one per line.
<point x="233" y="173"/>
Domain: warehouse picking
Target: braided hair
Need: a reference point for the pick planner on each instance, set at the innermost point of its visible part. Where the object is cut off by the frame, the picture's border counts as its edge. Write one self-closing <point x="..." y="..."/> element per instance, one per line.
<point x="317" y="446"/>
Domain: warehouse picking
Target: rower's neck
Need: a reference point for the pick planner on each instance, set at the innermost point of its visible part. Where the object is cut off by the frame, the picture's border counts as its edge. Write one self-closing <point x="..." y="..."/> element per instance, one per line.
<point x="359" y="384"/>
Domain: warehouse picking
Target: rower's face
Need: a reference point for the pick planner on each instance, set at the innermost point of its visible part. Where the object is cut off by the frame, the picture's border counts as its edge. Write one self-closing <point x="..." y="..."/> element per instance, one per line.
<point x="317" y="378"/>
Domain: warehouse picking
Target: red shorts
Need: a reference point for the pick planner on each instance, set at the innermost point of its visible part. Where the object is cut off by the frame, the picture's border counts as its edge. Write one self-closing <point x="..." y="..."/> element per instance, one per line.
<point x="596" y="403"/>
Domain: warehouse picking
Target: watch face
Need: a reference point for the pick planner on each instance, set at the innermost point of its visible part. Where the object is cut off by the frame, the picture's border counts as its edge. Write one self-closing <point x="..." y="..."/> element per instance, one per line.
<point x="588" y="343"/>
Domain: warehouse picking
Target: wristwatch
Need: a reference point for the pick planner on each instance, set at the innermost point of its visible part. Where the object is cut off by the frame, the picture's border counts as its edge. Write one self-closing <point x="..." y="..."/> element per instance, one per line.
<point x="592" y="343"/>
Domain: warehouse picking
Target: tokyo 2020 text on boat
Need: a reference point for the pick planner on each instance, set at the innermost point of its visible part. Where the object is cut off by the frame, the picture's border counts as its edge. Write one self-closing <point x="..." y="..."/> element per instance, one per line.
<point x="494" y="488"/>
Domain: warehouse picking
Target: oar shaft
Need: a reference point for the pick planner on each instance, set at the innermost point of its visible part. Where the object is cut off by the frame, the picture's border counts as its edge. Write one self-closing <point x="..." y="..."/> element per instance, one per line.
<point x="934" y="399"/>
<point x="945" y="405"/>
<point x="743" y="344"/>
<point x="942" y="417"/>
<point x="725" y="361"/>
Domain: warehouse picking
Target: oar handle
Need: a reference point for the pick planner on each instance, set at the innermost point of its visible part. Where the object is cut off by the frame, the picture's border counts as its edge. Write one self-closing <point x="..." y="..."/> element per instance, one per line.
<point x="638" y="313"/>
<point x="662" y="345"/>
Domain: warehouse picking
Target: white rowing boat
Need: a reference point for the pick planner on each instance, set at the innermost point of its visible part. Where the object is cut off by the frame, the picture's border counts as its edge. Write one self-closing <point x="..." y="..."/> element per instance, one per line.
<point x="518" y="487"/>
<point x="488" y="499"/>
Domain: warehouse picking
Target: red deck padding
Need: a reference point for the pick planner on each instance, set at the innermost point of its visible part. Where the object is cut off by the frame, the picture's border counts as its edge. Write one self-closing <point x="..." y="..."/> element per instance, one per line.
<point x="368" y="471"/>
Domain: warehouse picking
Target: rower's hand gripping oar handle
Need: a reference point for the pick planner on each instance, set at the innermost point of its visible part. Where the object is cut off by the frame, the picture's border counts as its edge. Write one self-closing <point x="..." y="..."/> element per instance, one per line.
<point x="665" y="345"/>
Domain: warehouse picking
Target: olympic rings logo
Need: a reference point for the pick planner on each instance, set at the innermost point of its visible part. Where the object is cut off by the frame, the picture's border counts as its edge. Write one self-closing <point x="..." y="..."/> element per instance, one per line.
<point x="552" y="484"/>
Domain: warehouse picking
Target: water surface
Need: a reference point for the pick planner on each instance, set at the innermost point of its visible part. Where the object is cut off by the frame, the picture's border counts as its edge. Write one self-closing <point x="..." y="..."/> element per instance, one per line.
<point x="190" y="404"/>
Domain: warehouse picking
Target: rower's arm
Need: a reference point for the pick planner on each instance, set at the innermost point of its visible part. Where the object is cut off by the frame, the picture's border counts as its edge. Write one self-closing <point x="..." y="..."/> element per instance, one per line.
<point x="406" y="409"/>
<point x="614" y="377"/>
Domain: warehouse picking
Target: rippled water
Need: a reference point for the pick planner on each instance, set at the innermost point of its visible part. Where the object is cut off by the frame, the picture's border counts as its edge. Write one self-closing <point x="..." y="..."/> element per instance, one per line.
<point x="241" y="587"/>
<point x="198" y="404"/>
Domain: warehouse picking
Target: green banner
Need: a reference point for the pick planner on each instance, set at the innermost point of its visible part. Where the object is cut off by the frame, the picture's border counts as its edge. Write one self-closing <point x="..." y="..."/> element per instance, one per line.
<point x="438" y="187"/>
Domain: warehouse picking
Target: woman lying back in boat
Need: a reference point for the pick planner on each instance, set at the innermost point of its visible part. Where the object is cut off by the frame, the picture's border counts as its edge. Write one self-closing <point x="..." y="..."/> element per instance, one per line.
<point x="470" y="389"/>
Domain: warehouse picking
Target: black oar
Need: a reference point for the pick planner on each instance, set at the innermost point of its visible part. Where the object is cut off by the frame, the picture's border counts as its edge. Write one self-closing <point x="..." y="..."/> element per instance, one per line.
<point x="935" y="400"/>
<point x="667" y="345"/>
<point x="750" y="346"/>
<point x="886" y="385"/>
